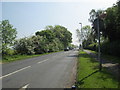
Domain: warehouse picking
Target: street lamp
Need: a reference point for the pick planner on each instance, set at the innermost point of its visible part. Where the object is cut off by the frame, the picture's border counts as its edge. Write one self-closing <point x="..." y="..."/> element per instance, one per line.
<point x="81" y="36"/>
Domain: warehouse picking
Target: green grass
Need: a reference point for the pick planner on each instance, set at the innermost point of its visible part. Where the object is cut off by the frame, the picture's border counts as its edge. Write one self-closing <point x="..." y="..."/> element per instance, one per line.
<point x="88" y="75"/>
<point x="12" y="58"/>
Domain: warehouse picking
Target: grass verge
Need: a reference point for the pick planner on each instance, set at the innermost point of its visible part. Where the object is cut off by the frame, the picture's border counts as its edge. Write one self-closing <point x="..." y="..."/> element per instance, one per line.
<point x="12" y="58"/>
<point x="88" y="75"/>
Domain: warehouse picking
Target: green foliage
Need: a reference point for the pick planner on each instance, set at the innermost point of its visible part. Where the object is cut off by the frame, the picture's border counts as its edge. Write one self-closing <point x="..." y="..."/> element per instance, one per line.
<point x="88" y="75"/>
<point x="110" y="22"/>
<point x="44" y="41"/>
<point x="86" y="35"/>
<point x="10" y="52"/>
<point x="17" y="57"/>
<point x="8" y="35"/>
<point x="111" y="32"/>
<point x="92" y="46"/>
<point x="111" y="48"/>
<point x="49" y="40"/>
<point x="56" y="45"/>
<point x="40" y="44"/>
<point x="24" y="46"/>
<point x="60" y="32"/>
<point x="63" y="35"/>
<point x="46" y="33"/>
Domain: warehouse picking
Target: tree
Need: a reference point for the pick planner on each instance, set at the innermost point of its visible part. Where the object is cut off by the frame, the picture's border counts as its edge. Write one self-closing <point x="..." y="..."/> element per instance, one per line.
<point x="110" y="26"/>
<point x="86" y="31"/>
<point x="8" y="35"/>
<point x="63" y="35"/>
<point x="44" y="41"/>
<point x="60" y="32"/>
<point x="46" y="33"/>
<point x="24" y="46"/>
<point x="111" y="32"/>
<point x="112" y="22"/>
<point x="79" y="35"/>
<point x="93" y="15"/>
<point x="40" y="44"/>
<point x="86" y="36"/>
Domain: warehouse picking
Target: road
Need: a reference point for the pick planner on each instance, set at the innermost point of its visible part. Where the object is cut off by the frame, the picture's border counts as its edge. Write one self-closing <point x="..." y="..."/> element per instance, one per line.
<point x="56" y="70"/>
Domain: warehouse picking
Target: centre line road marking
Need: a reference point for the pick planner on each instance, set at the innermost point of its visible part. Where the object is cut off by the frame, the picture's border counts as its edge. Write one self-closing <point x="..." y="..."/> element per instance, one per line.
<point x="42" y="61"/>
<point x="15" y="72"/>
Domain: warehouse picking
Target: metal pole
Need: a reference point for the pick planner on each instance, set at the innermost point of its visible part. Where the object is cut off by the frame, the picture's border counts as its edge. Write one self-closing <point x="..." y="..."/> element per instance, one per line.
<point x="98" y="28"/>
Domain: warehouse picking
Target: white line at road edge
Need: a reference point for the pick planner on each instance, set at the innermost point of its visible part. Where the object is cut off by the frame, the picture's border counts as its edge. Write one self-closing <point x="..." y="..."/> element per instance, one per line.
<point x="42" y="61"/>
<point x="15" y="72"/>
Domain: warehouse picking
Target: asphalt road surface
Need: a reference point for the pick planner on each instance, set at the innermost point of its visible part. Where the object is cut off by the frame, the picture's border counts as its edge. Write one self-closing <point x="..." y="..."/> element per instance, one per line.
<point x="56" y="70"/>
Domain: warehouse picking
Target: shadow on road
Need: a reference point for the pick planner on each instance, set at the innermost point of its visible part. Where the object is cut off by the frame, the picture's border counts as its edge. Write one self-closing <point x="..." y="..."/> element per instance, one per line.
<point x="72" y="56"/>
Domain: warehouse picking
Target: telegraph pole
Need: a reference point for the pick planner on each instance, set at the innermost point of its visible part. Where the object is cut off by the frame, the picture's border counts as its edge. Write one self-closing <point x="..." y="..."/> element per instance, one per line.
<point x="81" y="37"/>
<point x="99" y="53"/>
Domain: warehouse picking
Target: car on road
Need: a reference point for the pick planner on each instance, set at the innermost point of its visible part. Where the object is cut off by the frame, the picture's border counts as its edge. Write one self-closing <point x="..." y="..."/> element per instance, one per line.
<point x="66" y="49"/>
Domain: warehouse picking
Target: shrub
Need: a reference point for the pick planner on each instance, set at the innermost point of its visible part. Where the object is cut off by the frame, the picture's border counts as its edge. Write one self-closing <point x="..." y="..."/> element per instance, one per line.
<point x="92" y="46"/>
<point x="111" y="48"/>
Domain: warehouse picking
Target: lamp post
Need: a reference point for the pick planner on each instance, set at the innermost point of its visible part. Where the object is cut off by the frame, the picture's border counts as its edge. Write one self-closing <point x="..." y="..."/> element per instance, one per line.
<point x="81" y="36"/>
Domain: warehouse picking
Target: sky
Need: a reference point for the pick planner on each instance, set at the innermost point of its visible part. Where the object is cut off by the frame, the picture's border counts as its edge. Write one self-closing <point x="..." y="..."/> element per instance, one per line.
<point x="29" y="16"/>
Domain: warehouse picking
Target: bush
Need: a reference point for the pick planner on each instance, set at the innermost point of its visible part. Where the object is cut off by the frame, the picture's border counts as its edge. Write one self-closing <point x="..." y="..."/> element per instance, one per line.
<point x="24" y="46"/>
<point x="111" y="48"/>
<point x="92" y="46"/>
<point x="10" y="52"/>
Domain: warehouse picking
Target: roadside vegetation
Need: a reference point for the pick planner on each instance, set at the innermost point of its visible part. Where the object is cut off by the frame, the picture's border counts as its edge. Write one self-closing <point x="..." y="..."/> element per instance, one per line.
<point x="89" y="76"/>
<point x="51" y="39"/>
<point x="115" y="59"/>
<point x="109" y="25"/>
<point x="88" y="73"/>
<point x="12" y="58"/>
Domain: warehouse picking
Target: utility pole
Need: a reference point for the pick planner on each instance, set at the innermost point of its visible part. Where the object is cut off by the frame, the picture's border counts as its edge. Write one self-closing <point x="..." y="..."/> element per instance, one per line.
<point x="103" y="15"/>
<point x="99" y="53"/>
<point x="81" y="37"/>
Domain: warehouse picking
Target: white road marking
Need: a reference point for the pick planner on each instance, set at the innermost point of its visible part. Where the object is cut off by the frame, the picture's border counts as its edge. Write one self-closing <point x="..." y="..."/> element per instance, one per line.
<point x="42" y="61"/>
<point x="14" y="72"/>
<point x="25" y="86"/>
<point x="20" y="70"/>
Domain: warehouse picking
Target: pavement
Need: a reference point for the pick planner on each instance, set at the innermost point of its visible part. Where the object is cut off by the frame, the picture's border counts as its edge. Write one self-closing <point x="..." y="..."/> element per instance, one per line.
<point x="56" y="70"/>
